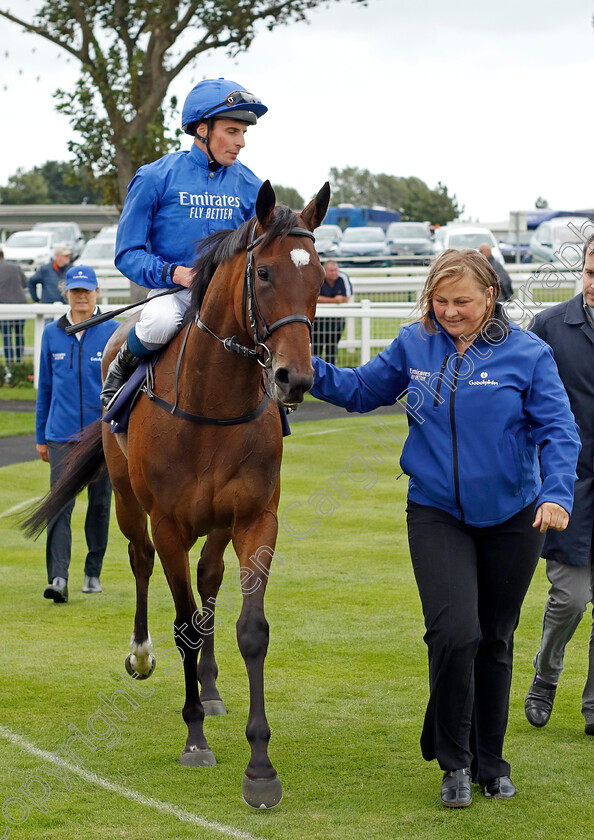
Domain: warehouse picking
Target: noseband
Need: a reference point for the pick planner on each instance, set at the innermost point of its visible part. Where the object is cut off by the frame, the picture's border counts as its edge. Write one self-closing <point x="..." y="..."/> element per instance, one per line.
<point x="260" y="352"/>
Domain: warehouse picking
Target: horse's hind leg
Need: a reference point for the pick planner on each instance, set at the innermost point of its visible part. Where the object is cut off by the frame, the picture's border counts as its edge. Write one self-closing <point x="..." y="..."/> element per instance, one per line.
<point x="140" y="662"/>
<point x="254" y="545"/>
<point x="210" y="576"/>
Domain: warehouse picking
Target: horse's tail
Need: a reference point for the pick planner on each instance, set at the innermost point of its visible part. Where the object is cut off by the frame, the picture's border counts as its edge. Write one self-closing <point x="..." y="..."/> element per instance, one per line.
<point x="81" y="466"/>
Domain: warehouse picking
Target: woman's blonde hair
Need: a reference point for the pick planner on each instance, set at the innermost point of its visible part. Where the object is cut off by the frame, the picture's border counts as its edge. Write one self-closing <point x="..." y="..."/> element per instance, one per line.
<point x="453" y="265"/>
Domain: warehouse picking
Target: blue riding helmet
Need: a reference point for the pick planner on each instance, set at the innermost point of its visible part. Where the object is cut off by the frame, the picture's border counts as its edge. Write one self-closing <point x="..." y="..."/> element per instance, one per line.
<point x="214" y="98"/>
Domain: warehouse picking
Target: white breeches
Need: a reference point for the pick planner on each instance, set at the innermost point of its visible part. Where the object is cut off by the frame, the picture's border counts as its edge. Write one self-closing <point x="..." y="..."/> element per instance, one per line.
<point x="162" y="318"/>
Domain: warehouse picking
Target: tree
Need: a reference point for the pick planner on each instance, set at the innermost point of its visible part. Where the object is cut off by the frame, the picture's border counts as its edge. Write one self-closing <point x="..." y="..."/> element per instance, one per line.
<point x="52" y="183"/>
<point x="410" y="196"/>
<point x="435" y="206"/>
<point x="130" y="51"/>
<point x="25" y="188"/>
<point x="288" y="196"/>
<point x="541" y="203"/>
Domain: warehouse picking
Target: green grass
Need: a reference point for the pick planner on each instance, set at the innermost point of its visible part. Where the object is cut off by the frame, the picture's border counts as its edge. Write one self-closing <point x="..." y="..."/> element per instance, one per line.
<point x="16" y="423"/>
<point x="346" y="681"/>
<point x="24" y="391"/>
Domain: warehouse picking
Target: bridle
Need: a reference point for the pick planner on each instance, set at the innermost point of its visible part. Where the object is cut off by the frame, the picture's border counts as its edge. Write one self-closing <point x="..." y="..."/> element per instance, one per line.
<point x="249" y="302"/>
<point x="260" y="352"/>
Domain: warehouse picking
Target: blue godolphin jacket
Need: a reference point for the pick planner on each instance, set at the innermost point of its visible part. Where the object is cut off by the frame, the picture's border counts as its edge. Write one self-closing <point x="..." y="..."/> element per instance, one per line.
<point x="172" y="205"/>
<point x="69" y="380"/>
<point x="475" y="420"/>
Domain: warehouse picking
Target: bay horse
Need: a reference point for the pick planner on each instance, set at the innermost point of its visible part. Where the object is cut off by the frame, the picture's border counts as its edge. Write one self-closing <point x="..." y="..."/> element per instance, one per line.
<point x="247" y="338"/>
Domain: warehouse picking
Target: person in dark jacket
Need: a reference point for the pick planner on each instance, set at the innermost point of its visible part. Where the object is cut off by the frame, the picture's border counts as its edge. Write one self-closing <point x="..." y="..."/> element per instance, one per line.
<point x="49" y="276"/>
<point x="505" y="283"/>
<point x="569" y="329"/>
<point x="67" y="401"/>
<point x="326" y="332"/>
<point x="482" y="396"/>
<point x="12" y="290"/>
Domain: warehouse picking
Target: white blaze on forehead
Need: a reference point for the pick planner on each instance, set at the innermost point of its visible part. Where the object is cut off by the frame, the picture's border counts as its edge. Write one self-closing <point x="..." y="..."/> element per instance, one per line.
<point x="300" y="257"/>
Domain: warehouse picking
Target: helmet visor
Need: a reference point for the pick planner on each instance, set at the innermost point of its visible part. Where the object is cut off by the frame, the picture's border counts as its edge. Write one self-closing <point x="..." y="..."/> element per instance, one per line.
<point x="232" y="100"/>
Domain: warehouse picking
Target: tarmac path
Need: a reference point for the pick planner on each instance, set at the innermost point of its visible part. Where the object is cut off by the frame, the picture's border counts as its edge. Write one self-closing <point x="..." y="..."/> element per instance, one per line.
<point x="21" y="448"/>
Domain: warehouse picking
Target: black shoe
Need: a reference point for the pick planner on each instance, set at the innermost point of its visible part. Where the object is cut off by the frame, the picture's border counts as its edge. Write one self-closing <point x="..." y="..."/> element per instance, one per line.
<point x="501" y="787"/>
<point x="92" y="585"/>
<point x="589" y="728"/>
<point x="538" y="704"/>
<point x="118" y="373"/>
<point x="455" y="788"/>
<point x="58" y="590"/>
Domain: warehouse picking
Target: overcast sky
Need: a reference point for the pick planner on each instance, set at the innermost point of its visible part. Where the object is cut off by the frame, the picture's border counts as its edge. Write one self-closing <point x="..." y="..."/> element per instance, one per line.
<point x="492" y="99"/>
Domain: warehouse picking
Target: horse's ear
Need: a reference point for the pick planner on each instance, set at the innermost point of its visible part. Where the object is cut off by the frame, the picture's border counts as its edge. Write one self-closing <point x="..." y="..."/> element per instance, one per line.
<point x="314" y="213"/>
<point x="265" y="203"/>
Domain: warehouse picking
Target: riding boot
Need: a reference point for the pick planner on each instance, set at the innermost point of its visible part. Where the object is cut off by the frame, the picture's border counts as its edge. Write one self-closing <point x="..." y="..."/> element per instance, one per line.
<point x="118" y="373"/>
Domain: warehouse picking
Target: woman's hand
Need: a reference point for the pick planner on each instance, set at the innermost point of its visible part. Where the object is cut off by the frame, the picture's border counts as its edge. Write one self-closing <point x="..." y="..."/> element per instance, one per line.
<point x="550" y="516"/>
<point x="42" y="451"/>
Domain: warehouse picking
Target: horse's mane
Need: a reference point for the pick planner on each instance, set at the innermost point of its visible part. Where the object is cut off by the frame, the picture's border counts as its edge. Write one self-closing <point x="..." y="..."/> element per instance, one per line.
<point x="225" y="244"/>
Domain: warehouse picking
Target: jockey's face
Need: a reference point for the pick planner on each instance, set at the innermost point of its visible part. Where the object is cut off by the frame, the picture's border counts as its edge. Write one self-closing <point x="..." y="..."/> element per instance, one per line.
<point x="226" y="139"/>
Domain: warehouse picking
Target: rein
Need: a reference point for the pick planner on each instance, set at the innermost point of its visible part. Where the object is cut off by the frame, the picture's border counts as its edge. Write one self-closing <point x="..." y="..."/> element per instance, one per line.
<point x="232" y="345"/>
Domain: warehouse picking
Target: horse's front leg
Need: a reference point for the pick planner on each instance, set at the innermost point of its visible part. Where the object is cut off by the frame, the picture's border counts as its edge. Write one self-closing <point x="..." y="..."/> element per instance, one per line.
<point x="188" y="634"/>
<point x="254" y="544"/>
<point x="210" y="576"/>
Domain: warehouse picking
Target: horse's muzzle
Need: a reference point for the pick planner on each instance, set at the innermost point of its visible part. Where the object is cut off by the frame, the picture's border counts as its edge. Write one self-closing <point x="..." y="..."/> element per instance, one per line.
<point x="290" y="385"/>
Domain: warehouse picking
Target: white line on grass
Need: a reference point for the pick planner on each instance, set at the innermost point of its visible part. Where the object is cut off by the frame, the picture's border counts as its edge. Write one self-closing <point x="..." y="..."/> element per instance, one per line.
<point x="19" y="506"/>
<point x="333" y="430"/>
<point x="135" y="796"/>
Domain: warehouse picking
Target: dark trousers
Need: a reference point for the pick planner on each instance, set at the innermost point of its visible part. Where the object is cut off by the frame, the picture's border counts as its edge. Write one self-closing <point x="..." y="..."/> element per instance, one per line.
<point x="13" y="353"/>
<point x="59" y="533"/>
<point x="325" y="335"/>
<point x="472" y="582"/>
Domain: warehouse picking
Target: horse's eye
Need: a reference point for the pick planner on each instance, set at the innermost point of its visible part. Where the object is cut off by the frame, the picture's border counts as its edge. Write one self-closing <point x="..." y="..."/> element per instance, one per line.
<point x="263" y="272"/>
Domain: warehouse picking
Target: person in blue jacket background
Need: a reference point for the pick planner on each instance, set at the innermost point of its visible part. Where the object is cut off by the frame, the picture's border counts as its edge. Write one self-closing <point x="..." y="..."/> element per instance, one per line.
<point x="49" y="276"/>
<point x="569" y="329"/>
<point x="481" y="395"/>
<point x="67" y="401"/>
<point x="173" y="204"/>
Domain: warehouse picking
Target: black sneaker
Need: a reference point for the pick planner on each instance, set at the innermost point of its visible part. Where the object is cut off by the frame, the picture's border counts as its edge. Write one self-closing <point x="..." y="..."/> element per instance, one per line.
<point x="57" y="590"/>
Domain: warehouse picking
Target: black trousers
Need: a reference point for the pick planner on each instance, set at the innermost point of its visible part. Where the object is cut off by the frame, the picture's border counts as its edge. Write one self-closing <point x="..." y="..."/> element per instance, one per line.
<point x="472" y="582"/>
<point x="59" y="535"/>
<point x="325" y="335"/>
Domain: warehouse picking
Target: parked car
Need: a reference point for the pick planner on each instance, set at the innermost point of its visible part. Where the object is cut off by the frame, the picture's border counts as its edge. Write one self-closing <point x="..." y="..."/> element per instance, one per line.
<point x="466" y="236"/>
<point x="107" y="232"/>
<point x="327" y="238"/>
<point x="509" y="246"/>
<point x="67" y="233"/>
<point x="410" y="241"/>
<point x="30" y="248"/>
<point x="99" y="253"/>
<point x="550" y="236"/>
<point x="362" y="242"/>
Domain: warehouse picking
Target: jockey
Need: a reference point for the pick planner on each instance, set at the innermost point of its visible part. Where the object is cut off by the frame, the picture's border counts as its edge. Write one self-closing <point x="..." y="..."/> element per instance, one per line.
<point x="173" y="204"/>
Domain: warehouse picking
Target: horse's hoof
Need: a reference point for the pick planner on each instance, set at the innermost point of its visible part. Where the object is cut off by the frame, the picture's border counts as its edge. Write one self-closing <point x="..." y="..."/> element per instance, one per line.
<point x="198" y="758"/>
<point x="213" y="707"/>
<point x="133" y="673"/>
<point x="261" y="793"/>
